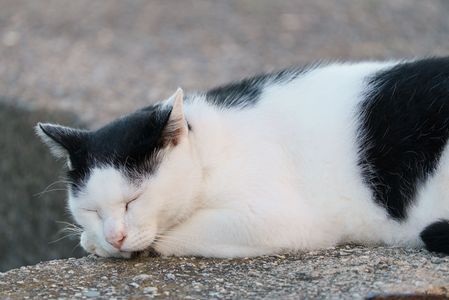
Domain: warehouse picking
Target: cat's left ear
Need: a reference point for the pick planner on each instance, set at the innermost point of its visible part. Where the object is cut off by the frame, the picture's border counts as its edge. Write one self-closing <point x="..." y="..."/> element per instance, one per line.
<point x="176" y="127"/>
<point x="62" y="141"/>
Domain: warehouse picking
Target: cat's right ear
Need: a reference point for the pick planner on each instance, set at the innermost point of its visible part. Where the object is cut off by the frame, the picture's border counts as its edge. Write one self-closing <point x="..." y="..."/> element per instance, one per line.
<point x="61" y="140"/>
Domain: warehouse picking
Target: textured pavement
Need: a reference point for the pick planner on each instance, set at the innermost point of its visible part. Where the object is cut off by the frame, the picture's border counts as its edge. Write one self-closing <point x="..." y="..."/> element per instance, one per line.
<point x="341" y="273"/>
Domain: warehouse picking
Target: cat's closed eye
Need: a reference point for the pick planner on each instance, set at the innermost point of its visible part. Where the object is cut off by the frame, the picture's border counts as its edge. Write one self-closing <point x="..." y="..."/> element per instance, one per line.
<point x="93" y="211"/>
<point x="129" y="202"/>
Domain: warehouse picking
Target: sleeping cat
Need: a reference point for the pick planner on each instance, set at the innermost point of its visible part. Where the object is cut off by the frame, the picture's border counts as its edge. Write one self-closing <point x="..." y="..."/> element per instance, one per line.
<point x="301" y="159"/>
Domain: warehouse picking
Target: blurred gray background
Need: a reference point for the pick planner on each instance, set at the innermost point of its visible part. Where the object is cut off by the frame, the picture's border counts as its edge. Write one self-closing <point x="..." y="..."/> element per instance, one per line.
<point x="86" y="62"/>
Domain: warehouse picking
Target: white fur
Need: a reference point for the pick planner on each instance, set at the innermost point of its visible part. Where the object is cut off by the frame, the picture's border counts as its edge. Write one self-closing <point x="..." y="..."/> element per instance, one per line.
<point x="281" y="176"/>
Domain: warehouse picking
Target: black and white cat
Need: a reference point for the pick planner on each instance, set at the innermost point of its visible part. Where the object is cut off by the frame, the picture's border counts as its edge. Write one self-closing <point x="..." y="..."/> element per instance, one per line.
<point x="305" y="158"/>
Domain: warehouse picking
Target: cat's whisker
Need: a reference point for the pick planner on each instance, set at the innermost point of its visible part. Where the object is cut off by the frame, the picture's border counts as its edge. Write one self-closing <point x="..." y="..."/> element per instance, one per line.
<point x="48" y="191"/>
<point x="69" y="230"/>
<point x="67" y="223"/>
<point x="57" y="182"/>
<point x="65" y="182"/>
<point x="63" y="237"/>
<point x="74" y="248"/>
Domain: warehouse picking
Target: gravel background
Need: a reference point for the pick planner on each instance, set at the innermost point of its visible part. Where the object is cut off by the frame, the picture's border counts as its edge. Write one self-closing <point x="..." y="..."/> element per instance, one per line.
<point x="101" y="59"/>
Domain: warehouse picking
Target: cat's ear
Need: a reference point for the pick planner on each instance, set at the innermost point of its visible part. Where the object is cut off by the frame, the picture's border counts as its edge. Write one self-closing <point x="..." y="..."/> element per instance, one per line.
<point x="61" y="140"/>
<point x="176" y="126"/>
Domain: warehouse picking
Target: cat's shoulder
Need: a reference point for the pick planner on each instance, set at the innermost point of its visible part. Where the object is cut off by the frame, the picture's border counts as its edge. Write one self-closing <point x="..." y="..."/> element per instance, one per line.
<point x="246" y="92"/>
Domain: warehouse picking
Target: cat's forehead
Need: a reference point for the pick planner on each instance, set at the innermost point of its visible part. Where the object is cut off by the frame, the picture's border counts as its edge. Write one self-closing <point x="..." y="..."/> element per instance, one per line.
<point x="106" y="185"/>
<point x="131" y="144"/>
<point x="142" y="128"/>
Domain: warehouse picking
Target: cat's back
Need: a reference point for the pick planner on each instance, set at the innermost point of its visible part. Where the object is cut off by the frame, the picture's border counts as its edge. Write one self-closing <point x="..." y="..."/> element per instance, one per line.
<point x="373" y="133"/>
<point x="363" y="137"/>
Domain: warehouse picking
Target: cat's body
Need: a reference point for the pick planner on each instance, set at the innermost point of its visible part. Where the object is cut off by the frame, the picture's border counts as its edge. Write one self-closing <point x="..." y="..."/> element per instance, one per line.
<point x="301" y="159"/>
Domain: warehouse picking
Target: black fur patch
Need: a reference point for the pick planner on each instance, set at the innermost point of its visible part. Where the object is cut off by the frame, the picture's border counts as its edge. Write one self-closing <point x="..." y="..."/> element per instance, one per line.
<point x="128" y="143"/>
<point x="245" y="93"/>
<point x="436" y="237"/>
<point x="404" y="129"/>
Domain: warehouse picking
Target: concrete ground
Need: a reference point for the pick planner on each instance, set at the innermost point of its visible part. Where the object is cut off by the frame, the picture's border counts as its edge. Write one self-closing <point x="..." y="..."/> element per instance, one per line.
<point x="100" y="59"/>
<point x="349" y="272"/>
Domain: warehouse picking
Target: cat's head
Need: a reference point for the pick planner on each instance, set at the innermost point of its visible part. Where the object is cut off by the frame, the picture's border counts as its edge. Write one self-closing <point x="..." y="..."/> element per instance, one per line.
<point x="129" y="180"/>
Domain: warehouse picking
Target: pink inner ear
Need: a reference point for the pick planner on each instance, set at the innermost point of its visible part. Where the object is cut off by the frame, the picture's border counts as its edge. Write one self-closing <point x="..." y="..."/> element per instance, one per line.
<point x="174" y="131"/>
<point x="176" y="125"/>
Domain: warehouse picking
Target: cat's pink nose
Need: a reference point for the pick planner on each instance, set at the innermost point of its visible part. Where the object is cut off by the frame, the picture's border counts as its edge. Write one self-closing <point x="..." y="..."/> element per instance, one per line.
<point x="117" y="241"/>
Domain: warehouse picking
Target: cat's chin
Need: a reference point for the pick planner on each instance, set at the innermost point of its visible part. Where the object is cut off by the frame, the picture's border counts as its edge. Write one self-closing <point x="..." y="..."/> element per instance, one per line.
<point x="120" y="254"/>
<point x="100" y="252"/>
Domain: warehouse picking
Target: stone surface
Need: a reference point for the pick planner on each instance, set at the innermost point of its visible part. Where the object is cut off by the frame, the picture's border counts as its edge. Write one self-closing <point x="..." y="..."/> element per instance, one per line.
<point x="349" y="272"/>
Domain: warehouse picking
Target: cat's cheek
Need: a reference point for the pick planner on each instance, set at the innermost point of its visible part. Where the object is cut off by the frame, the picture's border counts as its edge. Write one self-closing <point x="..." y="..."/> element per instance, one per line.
<point x="102" y="253"/>
<point x="139" y="240"/>
<point x="86" y="244"/>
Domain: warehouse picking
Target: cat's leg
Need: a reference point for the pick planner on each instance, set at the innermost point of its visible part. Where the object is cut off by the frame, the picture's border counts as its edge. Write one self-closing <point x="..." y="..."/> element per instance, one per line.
<point x="436" y="237"/>
<point x="214" y="233"/>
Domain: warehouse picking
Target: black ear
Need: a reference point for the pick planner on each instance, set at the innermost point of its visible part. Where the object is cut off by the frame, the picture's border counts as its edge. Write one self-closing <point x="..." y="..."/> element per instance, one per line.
<point x="61" y="140"/>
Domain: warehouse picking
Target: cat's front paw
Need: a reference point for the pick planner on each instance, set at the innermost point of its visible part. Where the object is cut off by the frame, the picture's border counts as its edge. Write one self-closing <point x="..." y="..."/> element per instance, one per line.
<point x="94" y="248"/>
